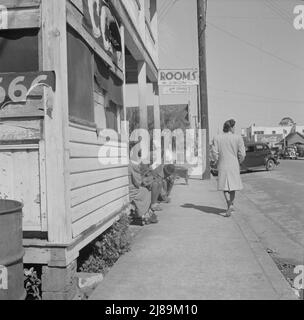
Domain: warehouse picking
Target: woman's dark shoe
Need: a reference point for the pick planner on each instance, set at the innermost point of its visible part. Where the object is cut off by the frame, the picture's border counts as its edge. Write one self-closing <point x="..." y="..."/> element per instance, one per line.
<point x="228" y="212"/>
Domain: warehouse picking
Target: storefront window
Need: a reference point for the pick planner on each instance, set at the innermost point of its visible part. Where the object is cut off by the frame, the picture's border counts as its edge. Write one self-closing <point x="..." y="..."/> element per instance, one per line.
<point x="80" y="78"/>
<point x="95" y="93"/>
<point x="19" y="50"/>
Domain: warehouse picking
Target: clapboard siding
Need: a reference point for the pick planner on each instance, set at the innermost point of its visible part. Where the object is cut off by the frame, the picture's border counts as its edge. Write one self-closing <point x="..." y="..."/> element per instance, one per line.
<point x="97" y="203"/>
<point x="80" y="165"/>
<point x="100" y="216"/>
<point x="89" y="136"/>
<point x="85" y="179"/>
<point x="82" y="195"/>
<point x="22" y="14"/>
<point x="20" y="180"/>
<point x="82" y="150"/>
<point x="97" y="190"/>
<point x="20" y="3"/>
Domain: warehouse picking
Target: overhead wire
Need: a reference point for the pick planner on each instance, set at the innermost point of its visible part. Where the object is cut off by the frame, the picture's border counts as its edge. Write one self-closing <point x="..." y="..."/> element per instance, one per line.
<point x="246" y="94"/>
<point x="168" y="9"/>
<point x="250" y="44"/>
<point x="277" y="11"/>
<point x="164" y="8"/>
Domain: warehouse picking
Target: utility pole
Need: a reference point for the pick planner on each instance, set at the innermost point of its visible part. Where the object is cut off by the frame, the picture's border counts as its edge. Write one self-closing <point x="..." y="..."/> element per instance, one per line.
<point x="203" y="95"/>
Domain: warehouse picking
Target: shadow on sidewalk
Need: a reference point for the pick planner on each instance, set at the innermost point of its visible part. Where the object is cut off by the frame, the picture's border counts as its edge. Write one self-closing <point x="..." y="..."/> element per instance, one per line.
<point x="204" y="209"/>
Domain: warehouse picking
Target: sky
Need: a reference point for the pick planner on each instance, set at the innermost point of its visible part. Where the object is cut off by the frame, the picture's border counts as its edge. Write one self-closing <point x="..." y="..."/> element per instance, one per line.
<point x="255" y="58"/>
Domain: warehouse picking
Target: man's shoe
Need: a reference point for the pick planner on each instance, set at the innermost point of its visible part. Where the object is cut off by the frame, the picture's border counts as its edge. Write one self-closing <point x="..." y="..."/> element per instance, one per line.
<point x="153" y="218"/>
<point x="156" y="207"/>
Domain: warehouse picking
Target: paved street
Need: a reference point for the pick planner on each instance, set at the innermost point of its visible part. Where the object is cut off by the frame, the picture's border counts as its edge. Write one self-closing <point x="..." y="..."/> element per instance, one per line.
<point x="278" y="196"/>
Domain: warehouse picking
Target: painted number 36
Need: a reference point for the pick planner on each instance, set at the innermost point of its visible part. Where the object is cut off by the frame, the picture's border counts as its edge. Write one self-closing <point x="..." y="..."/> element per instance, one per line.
<point x="3" y="278"/>
<point x="17" y="91"/>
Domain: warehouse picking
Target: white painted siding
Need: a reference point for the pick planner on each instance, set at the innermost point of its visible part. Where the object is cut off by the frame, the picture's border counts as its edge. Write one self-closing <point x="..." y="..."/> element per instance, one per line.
<point x="20" y="181"/>
<point x="97" y="191"/>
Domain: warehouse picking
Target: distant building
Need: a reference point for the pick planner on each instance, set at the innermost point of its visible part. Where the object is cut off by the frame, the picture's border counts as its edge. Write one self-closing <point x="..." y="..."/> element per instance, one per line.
<point x="172" y="116"/>
<point x="294" y="138"/>
<point x="269" y="135"/>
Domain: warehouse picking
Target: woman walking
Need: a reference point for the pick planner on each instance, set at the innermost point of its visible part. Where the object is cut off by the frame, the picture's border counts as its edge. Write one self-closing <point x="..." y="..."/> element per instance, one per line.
<point x="229" y="152"/>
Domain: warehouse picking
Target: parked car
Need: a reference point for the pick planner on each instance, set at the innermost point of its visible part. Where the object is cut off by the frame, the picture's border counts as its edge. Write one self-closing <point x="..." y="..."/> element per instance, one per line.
<point x="257" y="155"/>
<point x="301" y="151"/>
<point x="290" y="153"/>
<point x="260" y="155"/>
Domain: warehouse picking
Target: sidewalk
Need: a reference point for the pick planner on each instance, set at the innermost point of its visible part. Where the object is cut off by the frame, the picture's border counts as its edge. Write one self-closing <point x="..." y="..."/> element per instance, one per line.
<point x="195" y="253"/>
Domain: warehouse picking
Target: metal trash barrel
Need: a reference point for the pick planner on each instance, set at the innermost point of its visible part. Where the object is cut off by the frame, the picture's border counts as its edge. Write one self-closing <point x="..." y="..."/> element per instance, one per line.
<point x="11" y="251"/>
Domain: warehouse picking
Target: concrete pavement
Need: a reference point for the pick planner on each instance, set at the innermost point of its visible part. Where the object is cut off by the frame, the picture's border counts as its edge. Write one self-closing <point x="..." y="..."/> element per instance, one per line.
<point x="195" y="253"/>
<point x="274" y="208"/>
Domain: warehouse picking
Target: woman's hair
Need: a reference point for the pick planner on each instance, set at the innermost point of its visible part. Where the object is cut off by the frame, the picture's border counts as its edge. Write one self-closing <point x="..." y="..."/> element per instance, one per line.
<point x="228" y="125"/>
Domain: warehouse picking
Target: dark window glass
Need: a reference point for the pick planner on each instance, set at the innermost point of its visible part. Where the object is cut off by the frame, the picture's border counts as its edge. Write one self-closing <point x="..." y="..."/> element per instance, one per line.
<point x="250" y="149"/>
<point x="19" y="50"/>
<point x="111" y="116"/>
<point x="80" y="78"/>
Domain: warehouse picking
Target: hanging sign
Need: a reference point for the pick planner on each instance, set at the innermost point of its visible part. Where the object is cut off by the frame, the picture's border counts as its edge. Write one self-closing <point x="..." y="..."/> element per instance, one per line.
<point x="100" y="22"/>
<point x="185" y="77"/>
<point x="176" y="90"/>
<point x="15" y="87"/>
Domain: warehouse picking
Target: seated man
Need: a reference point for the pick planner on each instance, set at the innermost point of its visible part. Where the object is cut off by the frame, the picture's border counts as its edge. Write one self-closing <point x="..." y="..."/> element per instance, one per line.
<point x="140" y="195"/>
<point x="169" y="179"/>
<point x="153" y="182"/>
<point x="164" y="178"/>
<point x="142" y="190"/>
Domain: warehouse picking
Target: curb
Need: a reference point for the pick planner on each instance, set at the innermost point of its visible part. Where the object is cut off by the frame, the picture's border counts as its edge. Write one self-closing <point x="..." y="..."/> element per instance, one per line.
<point x="270" y="269"/>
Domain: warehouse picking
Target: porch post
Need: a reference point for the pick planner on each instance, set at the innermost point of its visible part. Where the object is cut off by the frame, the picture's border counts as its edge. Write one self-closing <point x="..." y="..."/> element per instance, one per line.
<point x="142" y="91"/>
<point x="157" y="122"/>
<point x="54" y="56"/>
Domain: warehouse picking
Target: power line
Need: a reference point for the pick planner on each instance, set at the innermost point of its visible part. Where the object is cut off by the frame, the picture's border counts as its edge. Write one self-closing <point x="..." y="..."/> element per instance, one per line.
<point x="256" y="47"/>
<point x="168" y="9"/>
<point x="250" y="100"/>
<point x="161" y="8"/>
<point x="164" y="8"/>
<point x="178" y="58"/>
<point x="257" y="96"/>
<point x="286" y="13"/>
<point x="279" y="13"/>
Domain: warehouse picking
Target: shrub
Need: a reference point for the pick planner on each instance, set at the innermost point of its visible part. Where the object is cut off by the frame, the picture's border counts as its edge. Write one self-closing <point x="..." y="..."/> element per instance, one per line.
<point x="100" y="256"/>
<point x="32" y="284"/>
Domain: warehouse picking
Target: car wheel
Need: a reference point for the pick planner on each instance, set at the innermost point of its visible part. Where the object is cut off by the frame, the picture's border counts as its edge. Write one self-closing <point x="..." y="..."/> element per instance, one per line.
<point x="270" y="165"/>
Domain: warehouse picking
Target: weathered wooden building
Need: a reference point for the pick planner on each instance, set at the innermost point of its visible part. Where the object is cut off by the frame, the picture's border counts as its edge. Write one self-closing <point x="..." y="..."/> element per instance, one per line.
<point x="86" y="51"/>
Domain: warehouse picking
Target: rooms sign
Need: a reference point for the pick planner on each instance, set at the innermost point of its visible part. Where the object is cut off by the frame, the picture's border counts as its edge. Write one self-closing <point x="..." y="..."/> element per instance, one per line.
<point x="185" y="77"/>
